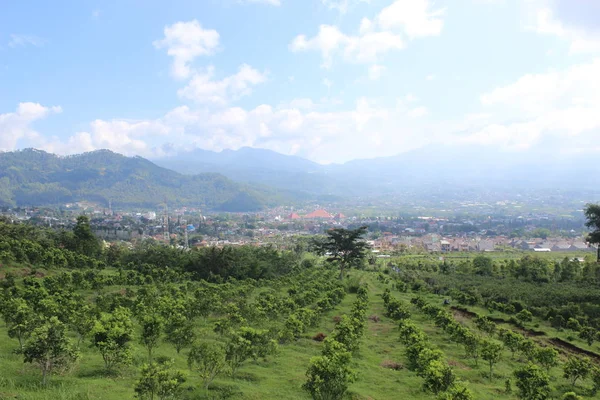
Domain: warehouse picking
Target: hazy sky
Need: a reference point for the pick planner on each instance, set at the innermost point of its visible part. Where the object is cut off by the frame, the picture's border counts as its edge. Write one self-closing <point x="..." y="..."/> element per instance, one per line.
<point x="329" y="80"/>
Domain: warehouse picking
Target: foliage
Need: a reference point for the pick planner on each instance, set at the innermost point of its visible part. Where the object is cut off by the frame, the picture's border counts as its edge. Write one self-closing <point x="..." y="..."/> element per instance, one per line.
<point x="343" y="246"/>
<point x="329" y="375"/>
<point x="49" y="348"/>
<point x="159" y="381"/>
<point x="208" y="360"/>
<point x="577" y="368"/>
<point x="111" y="336"/>
<point x="533" y="383"/>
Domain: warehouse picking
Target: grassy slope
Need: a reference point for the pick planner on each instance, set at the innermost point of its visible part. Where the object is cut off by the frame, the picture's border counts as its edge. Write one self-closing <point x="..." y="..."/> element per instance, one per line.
<point x="281" y="376"/>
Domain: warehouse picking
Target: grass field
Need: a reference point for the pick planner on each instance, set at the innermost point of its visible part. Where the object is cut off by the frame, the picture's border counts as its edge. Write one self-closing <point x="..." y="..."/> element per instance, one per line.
<point x="281" y="376"/>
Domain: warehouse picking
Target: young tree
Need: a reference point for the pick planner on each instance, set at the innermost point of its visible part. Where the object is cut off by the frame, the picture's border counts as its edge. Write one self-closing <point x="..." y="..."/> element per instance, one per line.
<point x="547" y="357"/>
<point x="208" y="360"/>
<point x="511" y="340"/>
<point x="524" y="316"/>
<point x="151" y="330"/>
<point x="329" y="375"/>
<point x="237" y="351"/>
<point x="438" y="377"/>
<point x="82" y="321"/>
<point x="472" y="344"/>
<point x="159" y="381"/>
<point x="588" y="334"/>
<point x="533" y="383"/>
<point x="111" y="336"/>
<point x="49" y="348"/>
<point x="458" y="391"/>
<point x="577" y="368"/>
<point x="179" y="331"/>
<point x="344" y="246"/>
<point x="491" y="352"/>
<point x="592" y="214"/>
<point x="20" y="319"/>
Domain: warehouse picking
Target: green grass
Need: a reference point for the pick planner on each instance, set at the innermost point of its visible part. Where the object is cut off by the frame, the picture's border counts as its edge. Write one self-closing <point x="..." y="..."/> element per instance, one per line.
<point x="281" y="376"/>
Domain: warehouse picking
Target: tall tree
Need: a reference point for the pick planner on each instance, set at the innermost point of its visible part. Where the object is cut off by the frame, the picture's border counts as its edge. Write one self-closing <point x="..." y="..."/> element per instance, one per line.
<point x="344" y="246"/>
<point x="85" y="241"/>
<point x="592" y="213"/>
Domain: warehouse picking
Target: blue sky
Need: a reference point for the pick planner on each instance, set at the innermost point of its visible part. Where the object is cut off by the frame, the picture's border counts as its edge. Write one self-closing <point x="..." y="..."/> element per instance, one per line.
<point x="329" y="80"/>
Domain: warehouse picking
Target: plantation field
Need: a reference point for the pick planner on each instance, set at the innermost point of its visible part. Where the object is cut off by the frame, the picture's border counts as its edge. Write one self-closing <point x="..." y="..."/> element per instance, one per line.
<point x="281" y="375"/>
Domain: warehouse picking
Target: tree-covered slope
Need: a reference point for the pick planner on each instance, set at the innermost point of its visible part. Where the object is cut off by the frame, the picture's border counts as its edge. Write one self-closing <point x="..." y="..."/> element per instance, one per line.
<point x="33" y="177"/>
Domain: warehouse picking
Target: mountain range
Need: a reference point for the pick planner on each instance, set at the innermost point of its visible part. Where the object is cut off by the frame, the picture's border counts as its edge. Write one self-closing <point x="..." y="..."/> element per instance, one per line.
<point x="35" y="178"/>
<point x="250" y="179"/>
<point x="436" y="166"/>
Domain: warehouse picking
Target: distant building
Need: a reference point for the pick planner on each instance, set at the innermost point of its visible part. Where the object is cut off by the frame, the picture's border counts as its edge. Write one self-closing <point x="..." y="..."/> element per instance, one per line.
<point x="318" y="214"/>
<point x="293" y="216"/>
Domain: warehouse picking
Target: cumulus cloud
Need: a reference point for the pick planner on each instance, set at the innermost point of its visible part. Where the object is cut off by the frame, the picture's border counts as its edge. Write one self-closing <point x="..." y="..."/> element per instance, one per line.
<point x="203" y="88"/>
<point x="185" y="41"/>
<point x="575" y="23"/>
<point x="558" y="104"/>
<point x="16" y="126"/>
<point x="376" y="71"/>
<point x="402" y="21"/>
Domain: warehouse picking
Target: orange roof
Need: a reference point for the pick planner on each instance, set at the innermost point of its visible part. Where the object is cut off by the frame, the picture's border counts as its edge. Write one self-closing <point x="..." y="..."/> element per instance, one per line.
<point x="318" y="214"/>
<point x="340" y="216"/>
<point x="293" y="216"/>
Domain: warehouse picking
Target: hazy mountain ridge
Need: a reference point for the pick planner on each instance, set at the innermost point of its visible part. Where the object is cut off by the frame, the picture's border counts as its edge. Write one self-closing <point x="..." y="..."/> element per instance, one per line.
<point x="34" y="177"/>
<point x="461" y="166"/>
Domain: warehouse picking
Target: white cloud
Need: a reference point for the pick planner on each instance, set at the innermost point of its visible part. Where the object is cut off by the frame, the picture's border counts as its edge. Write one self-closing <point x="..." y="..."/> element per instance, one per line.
<point x="25" y="40"/>
<point x="16" y="126"/>
<point x="402" y="20"/>
<point x="186" y="41"/>
<point x="268" y="2"/>
<point x="363" y="48"/>
<point x="300" y="127"/>
<point x="430" y="77"/>
<point x="202" y="88"/>
<point x="580" y="40"/>
<point x="376" y="71"/>
<point x="557" y="104"/>
<point x="328" y="84"/>
<point x="415" y="17"/>
<point x="341" y="5"/>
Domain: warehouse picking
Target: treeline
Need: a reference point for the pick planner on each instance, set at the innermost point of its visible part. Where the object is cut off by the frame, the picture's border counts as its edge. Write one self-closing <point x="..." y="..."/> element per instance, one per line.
<point x="79" y="249"/>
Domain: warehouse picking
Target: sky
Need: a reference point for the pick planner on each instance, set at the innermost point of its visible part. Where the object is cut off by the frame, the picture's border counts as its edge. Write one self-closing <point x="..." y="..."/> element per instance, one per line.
<point x="327" y="80"/>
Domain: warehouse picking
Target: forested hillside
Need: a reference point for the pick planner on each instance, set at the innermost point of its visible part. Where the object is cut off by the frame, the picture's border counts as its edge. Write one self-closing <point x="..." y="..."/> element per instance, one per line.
<point x="33" y="177"/>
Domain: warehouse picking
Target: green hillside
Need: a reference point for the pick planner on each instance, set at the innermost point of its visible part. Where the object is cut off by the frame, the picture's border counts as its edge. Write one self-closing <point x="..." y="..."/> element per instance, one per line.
<point x="33" y="177"/>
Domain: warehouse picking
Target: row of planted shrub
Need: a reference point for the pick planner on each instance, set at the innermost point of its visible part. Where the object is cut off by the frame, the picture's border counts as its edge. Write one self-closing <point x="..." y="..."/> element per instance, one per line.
<point x="423" y="358"/>
<point x="539" y="360"/>
<point x="330" y="374"/>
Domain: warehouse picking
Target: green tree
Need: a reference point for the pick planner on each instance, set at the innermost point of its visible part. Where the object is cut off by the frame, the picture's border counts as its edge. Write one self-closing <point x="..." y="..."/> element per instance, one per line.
<point x="511" y="340"/>
<point x="151" y="331"/>
<point x="179" y="331"/>
<point x="577" y="368"/>
<point x="547" y="357"/>
<point x="588" y="334"/>
<point x="85" y="240"/>
<point x="571" y="396"/>
<point x="208" y="360"/>
<point x="329" y="375"/>
<point x="82" y="321"/>
<point x="438" y="377"/>
<point x="491" y="352"/>
<point x="49" y="348"/>
<point x="159" y="381"/>
<point x="237" y="351"/>
<point x="483" y="265"/>
<point x="111" y="336"/>
<point x="20" y="319"/>
<point x="592" y="214"/>
<point x="524" y="316"/>
<point x="458" y="391"/>
<point x="533" y="383"/>
<point x="346" y="247"/>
